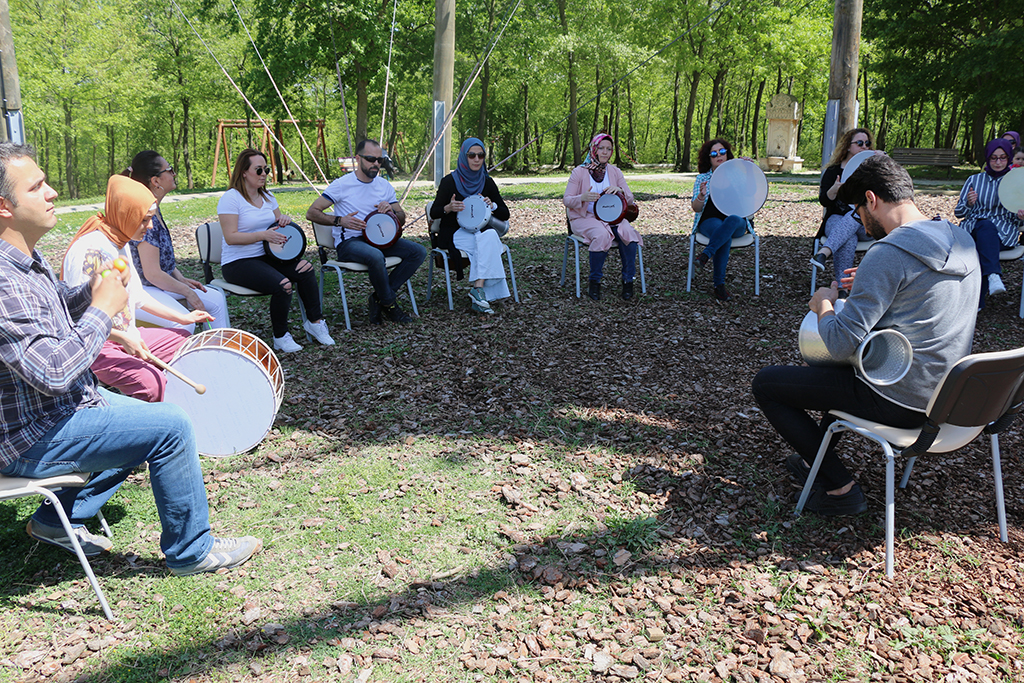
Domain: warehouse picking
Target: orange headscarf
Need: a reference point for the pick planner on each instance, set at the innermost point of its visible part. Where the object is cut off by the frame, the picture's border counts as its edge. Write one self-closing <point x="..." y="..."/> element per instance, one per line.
<point x="128" y="202"/>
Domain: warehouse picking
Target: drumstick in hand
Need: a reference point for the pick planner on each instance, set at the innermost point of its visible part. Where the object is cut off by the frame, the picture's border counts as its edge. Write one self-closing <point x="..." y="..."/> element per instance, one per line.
<point x="200" y="389"/>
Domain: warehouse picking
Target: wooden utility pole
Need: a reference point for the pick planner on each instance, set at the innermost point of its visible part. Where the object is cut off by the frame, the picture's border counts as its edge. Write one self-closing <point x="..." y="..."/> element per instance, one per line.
<point x="841" y="114"/>
<point x="444" y="74"/>
<point x="10" y="86"/>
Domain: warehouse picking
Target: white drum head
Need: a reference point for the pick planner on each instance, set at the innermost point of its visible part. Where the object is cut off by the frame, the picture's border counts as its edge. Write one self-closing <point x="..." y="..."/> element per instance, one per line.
<point x="1011" y="190"/>
<point x="293" y="248"/>
<point x="738" y="188"/>
<point x="610" y="207"/>
<point x="381" y="229"/>
<point x="855" y="162"/>
<point x="476" y="214"/>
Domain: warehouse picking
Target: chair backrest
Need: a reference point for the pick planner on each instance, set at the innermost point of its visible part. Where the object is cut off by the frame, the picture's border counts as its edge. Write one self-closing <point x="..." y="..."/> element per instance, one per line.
<point x="324" y="235"/>
<point x="208" y="239"/>
<point x="434" y="224"/>
<point x="979" y="389"/>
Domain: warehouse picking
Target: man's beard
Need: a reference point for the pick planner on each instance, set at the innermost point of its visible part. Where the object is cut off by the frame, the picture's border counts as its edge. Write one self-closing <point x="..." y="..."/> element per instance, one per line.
<point x="872" y="227"/>
<point x="371" y="171"/>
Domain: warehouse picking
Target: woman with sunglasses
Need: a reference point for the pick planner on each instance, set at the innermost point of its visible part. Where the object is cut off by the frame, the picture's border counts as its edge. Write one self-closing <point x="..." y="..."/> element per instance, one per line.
<point x="594" y="177"/>
<point x="710" y="221"/>
<point x="247" y="214"/>
<point x="483" y="248"/>
<point x="153" y="255"/>
<point x="840" y="226"/>
<point x="993" y="227"/>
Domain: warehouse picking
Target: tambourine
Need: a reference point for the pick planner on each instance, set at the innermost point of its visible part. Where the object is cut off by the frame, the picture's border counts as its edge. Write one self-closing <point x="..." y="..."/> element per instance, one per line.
<point x="382" y="229"/>
<point x="1011" y="190"/>
<point x="738" y="188"/>
<point x="613" y="209"/>
<point x="855" y="161"/>
<point x="293" y="249"/>
<point x="475" y="214"/>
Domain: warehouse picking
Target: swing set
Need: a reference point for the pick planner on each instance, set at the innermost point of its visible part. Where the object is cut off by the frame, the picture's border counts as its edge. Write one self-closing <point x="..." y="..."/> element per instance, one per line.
<point x="269" y="145"/>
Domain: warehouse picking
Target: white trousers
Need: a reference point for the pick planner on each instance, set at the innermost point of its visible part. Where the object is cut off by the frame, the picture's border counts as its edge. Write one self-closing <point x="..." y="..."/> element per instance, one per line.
<point x="484" y="250"/>
<point x="213" y="302"/>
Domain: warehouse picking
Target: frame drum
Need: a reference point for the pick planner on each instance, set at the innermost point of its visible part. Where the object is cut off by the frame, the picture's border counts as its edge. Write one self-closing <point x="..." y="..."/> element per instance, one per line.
<point x="382" y="230"/>
<point x="476" y="214"/>
<point x="855" y="161"/>
<point x="293" y="249"/>
<point x="1011" y="190"/>
<point x="244" y="387"/>
<point x="738" y="188"/>
<point x="610" y="208"/>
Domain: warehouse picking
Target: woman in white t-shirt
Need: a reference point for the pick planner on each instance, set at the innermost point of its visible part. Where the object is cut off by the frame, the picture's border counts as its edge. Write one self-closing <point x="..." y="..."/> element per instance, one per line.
<point x="249" y="216"/>
<point x="122" y="362"/>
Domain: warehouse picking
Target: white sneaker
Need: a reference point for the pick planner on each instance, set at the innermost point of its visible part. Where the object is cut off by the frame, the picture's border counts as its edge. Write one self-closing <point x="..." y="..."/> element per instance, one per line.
<point x="286" y="343"/>
<point x="319" y="332"/>
<point x="995" y="285"/>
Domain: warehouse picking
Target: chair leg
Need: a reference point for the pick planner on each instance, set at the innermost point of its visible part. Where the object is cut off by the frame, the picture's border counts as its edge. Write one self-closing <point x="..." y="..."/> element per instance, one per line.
<point x="757" y="265"/>
<point x="814" y="271"/>
<point x="448" y="280"/>
<point x="907" y="470"/>
<point x="344" y="299"/>
<point x="890" y="508"/>
<point x="430" y="278"/>
<point x="412" y="298"/>
<point x="997" y="475"/>
<point x="689" y="267"/>
<point x="643" y="277"/>
<point x="576" y="246"/>
<point x="104" y="525"/>
<point x="512" y="274"/>
<point x="812" y="475"/>
<point x="565" y="261"/>
<point x="82" y="559"/>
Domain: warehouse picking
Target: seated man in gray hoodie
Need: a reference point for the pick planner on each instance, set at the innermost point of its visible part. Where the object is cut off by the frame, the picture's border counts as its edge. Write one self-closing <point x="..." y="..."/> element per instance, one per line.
<point x="921" y="278"/>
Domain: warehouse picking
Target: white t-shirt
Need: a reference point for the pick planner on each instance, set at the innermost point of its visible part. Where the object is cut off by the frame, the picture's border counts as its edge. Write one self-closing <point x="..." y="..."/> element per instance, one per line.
<point x="349" y="194"/>
<point x="597" y="187"/>
<point x="250" y="219"/>
<point x="85" y="257"/>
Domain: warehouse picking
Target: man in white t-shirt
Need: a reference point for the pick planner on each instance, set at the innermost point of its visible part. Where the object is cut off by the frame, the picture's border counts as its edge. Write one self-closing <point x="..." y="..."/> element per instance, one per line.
<point x="354" y="196"/>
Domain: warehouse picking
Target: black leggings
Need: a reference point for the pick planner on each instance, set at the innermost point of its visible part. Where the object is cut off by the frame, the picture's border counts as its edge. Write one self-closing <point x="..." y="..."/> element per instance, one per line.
<point x="264" y="274"/>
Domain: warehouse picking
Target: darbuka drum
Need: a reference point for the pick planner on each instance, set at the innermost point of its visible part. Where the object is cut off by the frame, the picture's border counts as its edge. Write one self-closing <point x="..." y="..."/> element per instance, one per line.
<point x="476" y="214"/>
<point x="293" y="249"/>
<point x="1011" y="190"/>
<point x="244" y="387"/>
<point x="738" y="188"/>
<point x="382" y="230"/>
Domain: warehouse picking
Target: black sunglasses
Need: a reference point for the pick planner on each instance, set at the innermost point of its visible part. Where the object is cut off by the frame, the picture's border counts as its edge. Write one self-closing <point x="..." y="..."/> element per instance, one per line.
<point x="862" y="143"/>
<point x="476" y="155"/>
<point x="373" y="160"/>
<point x="260" y="170"/>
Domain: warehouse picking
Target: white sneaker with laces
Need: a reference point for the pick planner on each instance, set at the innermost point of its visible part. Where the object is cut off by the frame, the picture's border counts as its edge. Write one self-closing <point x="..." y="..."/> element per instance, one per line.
<point x="286" y="344"/>
<point x="319" y="332"/>
<point x="995" y="285"/>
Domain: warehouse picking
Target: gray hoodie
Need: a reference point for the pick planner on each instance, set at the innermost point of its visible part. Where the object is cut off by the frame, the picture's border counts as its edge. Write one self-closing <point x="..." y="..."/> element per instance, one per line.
<point x="923" y="279"/>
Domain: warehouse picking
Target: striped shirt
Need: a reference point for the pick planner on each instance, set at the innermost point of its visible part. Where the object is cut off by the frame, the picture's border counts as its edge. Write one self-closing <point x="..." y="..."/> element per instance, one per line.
<point x="987" y="206"/>
<point x="49" y="336"/>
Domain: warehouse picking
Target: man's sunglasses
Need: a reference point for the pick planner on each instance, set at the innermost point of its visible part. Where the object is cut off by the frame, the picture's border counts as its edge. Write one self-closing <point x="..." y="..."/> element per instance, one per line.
<point x="373" y="160"/>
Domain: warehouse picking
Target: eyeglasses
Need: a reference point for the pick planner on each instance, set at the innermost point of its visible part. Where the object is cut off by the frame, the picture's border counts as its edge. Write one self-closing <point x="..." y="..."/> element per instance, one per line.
<point x="476" y="155"/>
<point x="1000" y="157"/>
<point x="862" y="143"/>
<point x="260" y="170"/>
<point x="169" y="169"/>
<point x="373" y="160"/>
<point x="719" y="153"/>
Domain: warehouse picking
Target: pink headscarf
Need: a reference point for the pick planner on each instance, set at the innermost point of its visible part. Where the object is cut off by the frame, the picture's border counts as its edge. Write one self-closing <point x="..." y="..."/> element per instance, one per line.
<point x="596" y="169"/>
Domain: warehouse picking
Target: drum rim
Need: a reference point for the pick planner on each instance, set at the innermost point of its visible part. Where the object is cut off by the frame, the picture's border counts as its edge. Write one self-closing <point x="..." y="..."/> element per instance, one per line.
<point x="398" y="228"/>
<point x="622" y="202"/>
<point x="268" y="249"/>
<point x="477" y="198"/>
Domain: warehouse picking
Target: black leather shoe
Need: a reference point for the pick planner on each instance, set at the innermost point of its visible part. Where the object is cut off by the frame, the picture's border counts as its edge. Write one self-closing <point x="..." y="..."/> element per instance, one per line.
<point x="594" y="290"/>
<point x="721" y="293"/>
<point x="373" y="310"/>
<point x="395" y="314"/>
<point x="850" y="503"/>
<point x="702" y="260"/>
<point x="627" y="290"/>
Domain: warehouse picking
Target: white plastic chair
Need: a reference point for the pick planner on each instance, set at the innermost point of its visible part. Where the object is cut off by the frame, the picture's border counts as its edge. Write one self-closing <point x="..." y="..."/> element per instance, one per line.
<point x="576" y="241"/>
<point x="435" y="252"/>
<point x="325" y="246"/>
<point x="744" y="240"/>
<point x="980" y="393"/>
<point x="862" y="246"/>
<point x="19" y="487"/>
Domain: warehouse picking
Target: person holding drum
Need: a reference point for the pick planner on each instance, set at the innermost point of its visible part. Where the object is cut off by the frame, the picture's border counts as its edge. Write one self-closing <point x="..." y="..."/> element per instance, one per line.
<point x="981" y="214"/>
<point x="483" y="247"/>
<point x="709" y="220"/>
<point x="593" y="178"/>
<point x="840" y="225"/>
<point x="248" y="214"/>
<point x="921" y="279"/>
<point x="123" y="362"/>
<point x="357" y="196"/>
<point x="153" y="255"/>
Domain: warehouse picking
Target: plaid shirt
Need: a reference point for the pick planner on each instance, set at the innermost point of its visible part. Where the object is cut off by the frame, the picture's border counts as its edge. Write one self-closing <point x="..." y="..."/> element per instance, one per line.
<point x="44" y="353"/>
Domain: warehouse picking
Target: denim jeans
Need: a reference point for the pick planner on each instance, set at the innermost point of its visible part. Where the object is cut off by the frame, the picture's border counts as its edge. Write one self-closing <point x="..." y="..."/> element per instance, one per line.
<point x="786" y="392"/>
<point x="386" y="285"/>
<point x="112" y="441"/>
<point x="627" y="252"/>
<point x="720" y="234"/>
<point x="986" y="241"/>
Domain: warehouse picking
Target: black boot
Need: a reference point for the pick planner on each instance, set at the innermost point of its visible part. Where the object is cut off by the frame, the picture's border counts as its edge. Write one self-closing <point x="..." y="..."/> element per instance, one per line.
<point x="395" y="314"/>
<point x="373" y="310"/>
<point x="627" y="291"/>
<point x="594" y="290"/>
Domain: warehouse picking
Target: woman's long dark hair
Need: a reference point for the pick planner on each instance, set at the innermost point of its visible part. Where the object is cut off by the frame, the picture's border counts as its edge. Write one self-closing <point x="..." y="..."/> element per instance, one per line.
<point x="704" y="155"/>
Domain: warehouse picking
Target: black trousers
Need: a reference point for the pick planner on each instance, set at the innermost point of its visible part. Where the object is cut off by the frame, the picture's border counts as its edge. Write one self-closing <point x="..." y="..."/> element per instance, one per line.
<point x="264" y="274"/>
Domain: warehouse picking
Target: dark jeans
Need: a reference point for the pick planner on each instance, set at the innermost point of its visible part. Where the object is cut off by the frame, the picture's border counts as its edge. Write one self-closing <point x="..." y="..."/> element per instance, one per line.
<point x="264" y="274"/>
<point x="720" y="234"/>
<point x="986" y="241"/>
<point x="627" y="252"/>
<point x="384" y="284"/>
<point x="786" y="392"/>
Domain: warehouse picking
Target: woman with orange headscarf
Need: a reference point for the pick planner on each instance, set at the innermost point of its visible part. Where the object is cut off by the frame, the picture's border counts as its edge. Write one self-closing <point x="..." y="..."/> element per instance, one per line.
<point x="122" y="361"/>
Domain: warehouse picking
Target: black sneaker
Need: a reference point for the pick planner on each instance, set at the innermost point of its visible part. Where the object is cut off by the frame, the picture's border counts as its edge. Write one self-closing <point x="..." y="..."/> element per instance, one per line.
<point x="702" y="260"/>
<point x="800" y="471"/>
<point x="395" y="314"/>
<point x="851" y="503"/>
<point x="373" y="310"/>
<point x="594" y="290"/>
<point x="721" y="293"/>
<point x="627" y="291"/>
<point x="818" y="261"/>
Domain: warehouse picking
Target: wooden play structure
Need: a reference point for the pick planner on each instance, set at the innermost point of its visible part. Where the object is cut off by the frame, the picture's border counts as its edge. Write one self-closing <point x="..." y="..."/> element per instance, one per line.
<point x="267" y="145"/>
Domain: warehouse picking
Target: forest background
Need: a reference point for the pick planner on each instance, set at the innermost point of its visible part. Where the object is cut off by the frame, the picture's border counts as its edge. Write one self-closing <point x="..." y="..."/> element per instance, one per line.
<point x="102" y="80"/>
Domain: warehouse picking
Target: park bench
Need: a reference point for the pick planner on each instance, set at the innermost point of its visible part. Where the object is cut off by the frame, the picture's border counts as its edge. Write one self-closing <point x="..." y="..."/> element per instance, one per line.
<point x="947" y="158"/>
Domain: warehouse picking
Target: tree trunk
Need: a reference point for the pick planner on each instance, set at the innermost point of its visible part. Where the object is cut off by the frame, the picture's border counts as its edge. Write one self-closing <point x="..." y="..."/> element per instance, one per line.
<point x="362" y="104"/>
<point x="691" y="105"/>
<point x="631" y="136"/>
<point x="186" y="121"/>
<point x="526" y="126"/>
<point x="69" y="150"/>
<point x="716" y="93"/>
<point x="573" y="122"/>
<point x="615" y="124"/>
<point x="597" y="101"/>
<point x="485" y="82"/>
<point x="755" y="127"/>
<point x="953" y="125"/>
<point x="678" y="159"/>
<point x="744" y="117"/>
<point x="883" y="126"/>
<point x="978" y="135"/>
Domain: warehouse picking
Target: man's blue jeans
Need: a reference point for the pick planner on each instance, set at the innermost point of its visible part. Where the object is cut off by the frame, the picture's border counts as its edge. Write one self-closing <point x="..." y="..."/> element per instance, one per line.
<point x="720" y="234"/>
<point x="112" y="441"/>
<point x="384" y="284"/>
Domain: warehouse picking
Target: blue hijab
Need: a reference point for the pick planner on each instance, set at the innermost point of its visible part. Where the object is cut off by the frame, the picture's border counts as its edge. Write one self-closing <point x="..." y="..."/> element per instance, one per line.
<point x="467" y="182"/>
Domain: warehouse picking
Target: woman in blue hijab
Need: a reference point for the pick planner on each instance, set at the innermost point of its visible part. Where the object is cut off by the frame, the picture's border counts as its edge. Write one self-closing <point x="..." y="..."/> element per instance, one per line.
<point x="483" y="248"/>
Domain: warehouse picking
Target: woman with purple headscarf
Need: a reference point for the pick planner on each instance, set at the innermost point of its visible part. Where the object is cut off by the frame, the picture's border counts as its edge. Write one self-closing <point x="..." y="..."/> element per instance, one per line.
<point x="993" y="228"/>
<point x="594" y="177"/>
<point x="483" y="248"/>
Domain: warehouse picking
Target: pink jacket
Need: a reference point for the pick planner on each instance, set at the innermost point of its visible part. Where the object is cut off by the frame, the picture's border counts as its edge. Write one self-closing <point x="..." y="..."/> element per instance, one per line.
<point x="579" y="182"/>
